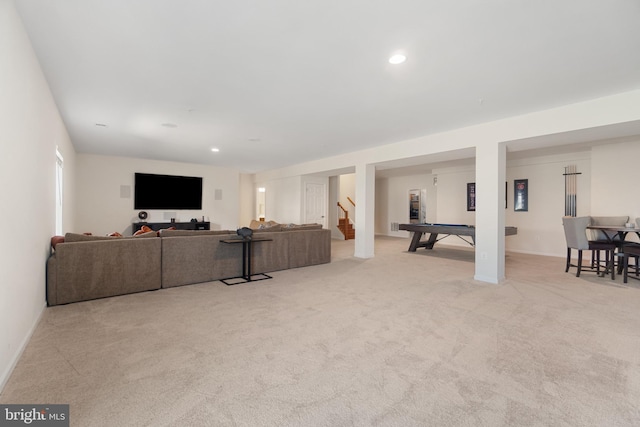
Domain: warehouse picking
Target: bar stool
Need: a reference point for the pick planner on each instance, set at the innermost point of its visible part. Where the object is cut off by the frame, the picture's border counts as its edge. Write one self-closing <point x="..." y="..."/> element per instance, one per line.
<point x="575" y="232"/>
<point x="631" y="250"/>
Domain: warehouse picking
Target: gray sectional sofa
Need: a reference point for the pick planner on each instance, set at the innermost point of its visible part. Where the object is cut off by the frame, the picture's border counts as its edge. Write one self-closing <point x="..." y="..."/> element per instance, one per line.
<point x="88" y="267"/>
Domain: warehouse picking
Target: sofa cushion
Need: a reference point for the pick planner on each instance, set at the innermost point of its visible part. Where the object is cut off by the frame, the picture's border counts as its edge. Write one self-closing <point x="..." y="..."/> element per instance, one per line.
<point x="55" y="240"/>
<point x="267" y="229"/>
<point x="201" y="258"/>
<point x="143" y="229"/>
<point x="309" y="247"/>
<point x="75" y="237"/>
<point x="182" y="233"/>
<point x="269" y="255"/>
<point x="145" y="235"/>
<point x="255" y="224"/>
<point x="296" y="227"/>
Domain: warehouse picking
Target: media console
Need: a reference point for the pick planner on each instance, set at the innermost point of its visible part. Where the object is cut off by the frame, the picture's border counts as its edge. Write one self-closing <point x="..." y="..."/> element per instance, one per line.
<point x="178" y="225"/>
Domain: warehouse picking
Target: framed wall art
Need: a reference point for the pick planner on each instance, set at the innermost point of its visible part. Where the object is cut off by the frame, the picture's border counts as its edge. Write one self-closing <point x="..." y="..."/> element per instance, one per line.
<point x="521" y="195"/>
<point x="471" y="196"/>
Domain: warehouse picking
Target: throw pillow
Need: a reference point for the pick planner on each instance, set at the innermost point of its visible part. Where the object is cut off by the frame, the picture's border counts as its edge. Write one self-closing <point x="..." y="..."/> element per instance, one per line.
<point x="147" y="234"/>
<point x="143" y="229"/>
<point x="55" y="240"/>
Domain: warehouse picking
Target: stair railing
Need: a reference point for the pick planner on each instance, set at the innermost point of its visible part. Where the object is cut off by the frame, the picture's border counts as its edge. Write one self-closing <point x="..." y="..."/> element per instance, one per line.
<point x="343" y="213"/>
<point x="354" y="205"/>
<point x="343" y="220"/>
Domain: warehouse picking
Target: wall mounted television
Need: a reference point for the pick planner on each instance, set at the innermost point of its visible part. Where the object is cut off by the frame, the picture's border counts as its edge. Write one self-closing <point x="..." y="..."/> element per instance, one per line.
<point x="168" y="192"/>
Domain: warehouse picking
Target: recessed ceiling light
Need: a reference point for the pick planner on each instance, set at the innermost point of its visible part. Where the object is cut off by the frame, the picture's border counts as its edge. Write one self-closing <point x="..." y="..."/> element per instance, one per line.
<point x="215" y="150"/>
<point x="170" y="125"/>
<point x="397" y="59"/>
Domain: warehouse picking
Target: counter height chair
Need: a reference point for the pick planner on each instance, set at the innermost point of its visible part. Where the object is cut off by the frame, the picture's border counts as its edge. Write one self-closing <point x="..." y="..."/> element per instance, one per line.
<point x="631" y="251"/>
<point x="600" y="236"/>
<point x="575" y="232"/>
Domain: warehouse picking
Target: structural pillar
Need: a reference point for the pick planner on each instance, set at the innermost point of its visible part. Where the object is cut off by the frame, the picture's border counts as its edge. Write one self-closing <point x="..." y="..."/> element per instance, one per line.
<point x="491" y="159"/>
<point x="365" y="211"/>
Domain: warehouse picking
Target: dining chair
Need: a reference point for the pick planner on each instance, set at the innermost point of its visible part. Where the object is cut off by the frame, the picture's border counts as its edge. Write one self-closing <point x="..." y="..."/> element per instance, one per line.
<point x="631" y="251"/>
<point x="575" y="232"/>
<point x="600" y="236"/>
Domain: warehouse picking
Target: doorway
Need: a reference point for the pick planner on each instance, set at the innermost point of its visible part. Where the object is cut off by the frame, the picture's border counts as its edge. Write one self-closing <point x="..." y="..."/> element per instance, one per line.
<point x="315" y="204"/>
<point x="260" y="204"/>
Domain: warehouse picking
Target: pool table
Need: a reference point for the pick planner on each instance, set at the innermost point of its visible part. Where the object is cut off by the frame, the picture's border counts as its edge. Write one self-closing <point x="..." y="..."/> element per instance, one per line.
<point x="459" y="230"/>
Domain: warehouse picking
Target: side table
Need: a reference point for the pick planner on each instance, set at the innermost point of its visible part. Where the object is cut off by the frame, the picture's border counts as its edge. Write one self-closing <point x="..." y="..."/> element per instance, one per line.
<point x="246" y="261"/>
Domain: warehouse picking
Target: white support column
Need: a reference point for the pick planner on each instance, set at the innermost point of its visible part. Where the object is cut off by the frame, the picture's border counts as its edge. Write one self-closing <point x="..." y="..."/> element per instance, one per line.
<point x="365" y="211"/>
<point x="490" y="212"/>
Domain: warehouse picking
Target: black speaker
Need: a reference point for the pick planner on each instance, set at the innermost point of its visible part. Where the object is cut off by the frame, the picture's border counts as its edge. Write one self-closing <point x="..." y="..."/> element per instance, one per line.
<point x="142" y="215"/>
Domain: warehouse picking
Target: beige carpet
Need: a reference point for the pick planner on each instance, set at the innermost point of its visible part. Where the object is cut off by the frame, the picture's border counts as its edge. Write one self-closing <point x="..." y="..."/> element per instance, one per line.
<point x="403" y="339"/>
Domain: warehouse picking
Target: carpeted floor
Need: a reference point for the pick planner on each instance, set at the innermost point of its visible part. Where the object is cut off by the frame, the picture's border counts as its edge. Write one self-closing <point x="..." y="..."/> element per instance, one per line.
<point x="402" y="339"/>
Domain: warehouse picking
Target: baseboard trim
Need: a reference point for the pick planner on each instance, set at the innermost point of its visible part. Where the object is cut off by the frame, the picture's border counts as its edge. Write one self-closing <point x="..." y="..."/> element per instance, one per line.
<point x="18" y="354"/>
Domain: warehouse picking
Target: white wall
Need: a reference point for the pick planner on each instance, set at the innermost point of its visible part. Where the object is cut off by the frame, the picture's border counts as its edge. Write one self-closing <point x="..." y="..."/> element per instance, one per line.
<point x="30" y="129"/>
<point x="347" y="184"/>
<point x="102" y="210"/>
<point x="452" y="195"/>
<point x="283" y="199"/>
<point x="614" y="180"/>
<point x="247" y="200"/>
<point x="540" y="228"/>
<point x="392" y="201"/>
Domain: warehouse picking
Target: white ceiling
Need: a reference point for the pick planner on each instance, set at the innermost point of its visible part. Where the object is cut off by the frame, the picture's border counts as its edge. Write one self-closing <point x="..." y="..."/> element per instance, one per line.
<point x="274" y="83"/>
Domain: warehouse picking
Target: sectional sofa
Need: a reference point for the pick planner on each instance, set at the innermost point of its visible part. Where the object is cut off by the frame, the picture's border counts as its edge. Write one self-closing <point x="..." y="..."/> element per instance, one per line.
<point x="89" y="267"/>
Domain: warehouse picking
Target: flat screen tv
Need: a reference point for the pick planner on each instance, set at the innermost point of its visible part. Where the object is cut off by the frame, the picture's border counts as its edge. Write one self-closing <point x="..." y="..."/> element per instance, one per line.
<point x="167" y="192"/>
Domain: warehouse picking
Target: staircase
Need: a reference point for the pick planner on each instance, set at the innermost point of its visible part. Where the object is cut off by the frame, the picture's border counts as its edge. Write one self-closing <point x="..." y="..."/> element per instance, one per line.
<point x="344" y="225"/>
<point x="347" y="228"/>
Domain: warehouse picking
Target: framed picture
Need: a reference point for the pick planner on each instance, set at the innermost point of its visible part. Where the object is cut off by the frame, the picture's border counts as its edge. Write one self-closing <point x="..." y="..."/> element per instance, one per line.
<point x="521" y="195"/>
<point x="471" y="196"/>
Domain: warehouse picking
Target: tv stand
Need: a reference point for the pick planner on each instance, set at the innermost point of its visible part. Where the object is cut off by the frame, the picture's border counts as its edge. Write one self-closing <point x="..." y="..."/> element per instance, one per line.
<point x="155" y="226"/>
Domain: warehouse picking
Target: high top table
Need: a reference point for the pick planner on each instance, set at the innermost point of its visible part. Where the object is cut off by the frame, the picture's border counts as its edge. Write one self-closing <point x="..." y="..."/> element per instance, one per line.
<point x="610" y="231"/>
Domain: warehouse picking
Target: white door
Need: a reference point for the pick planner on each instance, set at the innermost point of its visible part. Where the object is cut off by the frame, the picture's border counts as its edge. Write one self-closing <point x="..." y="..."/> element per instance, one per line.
<point x="315" y="204"/>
